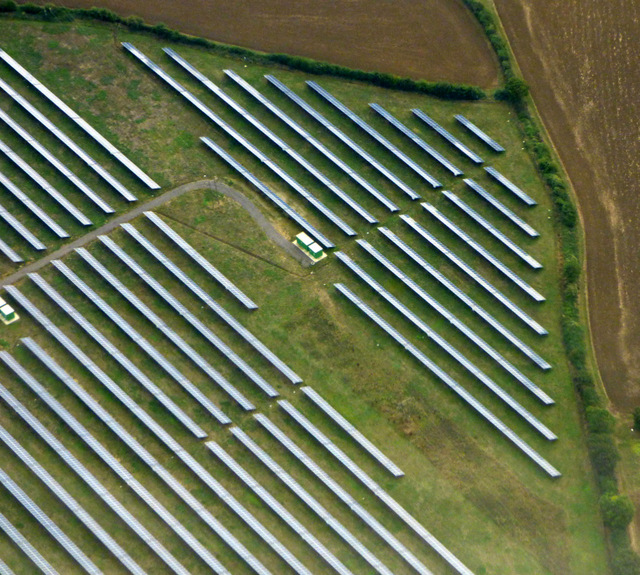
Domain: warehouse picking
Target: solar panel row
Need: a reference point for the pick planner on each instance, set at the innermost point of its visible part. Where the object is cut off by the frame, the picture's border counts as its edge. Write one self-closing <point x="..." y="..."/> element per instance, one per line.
<point x="144" y="344"/>
<point x="77" y="150"/>
<point x="463" y="297"/>
<point x="450" y="382"/>
<point x="473" y="274"/>
<point x="76" y="509"/>
<point x="213" y="305"/>
<point x="5" y="569"/>
<point x="83" y="472"/>
<point x="10" y="252"/>
<point x="321" y="177"/>
<point x="376" y="136"/>
<point x="458" y="324"/>
<point x="29" y="550"/>
<point x="498" y="205"/>
<point x="447" y="347"/>
<point x="136" y="447"/>
<point x="313" y="141"/>
<point x="58" y="103"/>
<point x="416" y="139"/>
<point x="57" y="164"/>
<point x="165" y="329"/>
<point x="369" y="447"/>
<point x="479" y="133"/>
<point x="44" y="184"/>
<point x="36" y="210"/>
<point x="117" y="355"/>
<point x="278" y="508"/>
<point x="188" y="316"/>
<point x="200" y="260"/>
<point x="510" y="186"/>
<point x="20" y="229"/>
<point x="496" y="233"/>
<point x="310" y="501"/>
<point x="447" y="136"/>
<point x="342" y="137"/>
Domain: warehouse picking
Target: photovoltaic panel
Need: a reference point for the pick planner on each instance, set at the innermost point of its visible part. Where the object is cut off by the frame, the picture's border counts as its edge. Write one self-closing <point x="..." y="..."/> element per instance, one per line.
<point x="292" y="153"/>
<point x="454" y="321"/>
<point x="313" y="141"/>
<point x="464" y="298"/>
<point x="450" y="382"/>
<point x="343" y="137"/>
<point x="144" y="344"/>
<point x="29" y="550"/>
<point x="447" y="136"/>
<point x="10" y="253"/>
<point x="416" y="139"/>
<point x="213" y="305"/>
<point x="36" y="210"/>
<point x="510" y="186"/>
<point x="479" y="133"/>
<point x="447" y="347"/>
<point x="20" y="229"/>
<point x="67" y="111"/>
<point x="57" y="164"/>
<point x="376" y="136"/>
<point x="77" y="150"/>
<point x="351" y="430"/>
<point x="4" y="569"/>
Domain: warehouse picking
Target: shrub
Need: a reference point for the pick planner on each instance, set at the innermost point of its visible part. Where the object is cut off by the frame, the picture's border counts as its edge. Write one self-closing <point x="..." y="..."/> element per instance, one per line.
<point x="617" y="511"/>
<point x="8" y="6"/>
<point x="636" y="419"/>
<point x="515" y="90"/>
<point x="571" y="270"/>
<point x="625" y="562"/>
<point x="604" y="454"/>
<point x="599" y="420"/>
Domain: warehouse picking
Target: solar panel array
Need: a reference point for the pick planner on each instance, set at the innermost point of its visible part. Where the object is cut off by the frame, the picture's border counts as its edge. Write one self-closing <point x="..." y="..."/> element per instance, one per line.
<point x="144" y="344"/>
<point x="213" y="305"/>
<point x="351" y="430"/>
<point x="313" y="141"/>
<point x="4" y="569"/>
<point x="70" y="503"/>
<point x="447" y="136"/>
<point x="90" y="479"/>
<point x="342" y="137"/>
<point x="498" y="205"/>
<point x="26" y="547"/>
<point x="57" y="164"/>
<point x="416" y="139"/>
<point x="447" y="347"/>
<point x="484" y="252"/>
<point x="450" y="382"/>
<point x="479" y="133"/>
<point x="458" y="324"/>
<point x="44" y="184"/>
<point x="136" y="447"/>
<point x="473" y="274"/>
<point x="309" y="500"/>
<point x="68" y="142"/>
<point x="58" y="103"/>
<point x="377" y="137"/>
<point x="463" y="297"/>
<point x="117" y="355"/>
<point x="321" y="177"/>
<point x="510" y="186"/>
<point x="10" y="219"/>
<point x="496" y="233"/>
<point x="10" y="252"/>
<point x="36" y="210"/>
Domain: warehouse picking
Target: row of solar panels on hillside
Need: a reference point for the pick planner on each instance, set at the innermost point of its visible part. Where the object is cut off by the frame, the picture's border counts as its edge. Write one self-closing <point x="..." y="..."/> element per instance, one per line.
<point x="450" y="382"/>
<point x="446" y="346"/>
<point x="8" y="251"/>
<point x="92" y="482"/>
<point x="27" y="548"/>
<point x="313" y="141"/>
<point x="454" y="321"/>
<point x="357" y="208"/>
<point x="57" y="164"/>
<point x="464" y="298"/>
<point x="58" y="103"/>
<point x="479" y="133"/>
<point x="145" y="345"/>
<point x="509" y="185"/>
<point x="137" y="448"/>
<point x="26" y="235"/>
<point x="377" y="137"/>
<point x="342" y="137"/>
<point x="451" y="256"/>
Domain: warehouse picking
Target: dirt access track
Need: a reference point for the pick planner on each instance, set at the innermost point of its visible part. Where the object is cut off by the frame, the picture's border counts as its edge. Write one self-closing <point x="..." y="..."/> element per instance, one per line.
<point x="430" y="39"/>
<point x="580" y="58"/>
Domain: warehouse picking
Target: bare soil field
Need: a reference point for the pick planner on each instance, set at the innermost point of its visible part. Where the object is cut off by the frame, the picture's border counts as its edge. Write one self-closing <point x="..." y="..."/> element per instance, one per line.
<point x="580" y="58"/>
<point x="428" y="39"/>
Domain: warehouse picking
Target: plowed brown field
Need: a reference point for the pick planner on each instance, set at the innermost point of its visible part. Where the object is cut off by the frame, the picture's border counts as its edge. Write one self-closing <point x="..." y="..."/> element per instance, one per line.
<point x="581" y="60"/>
<point x="428" y="39"/>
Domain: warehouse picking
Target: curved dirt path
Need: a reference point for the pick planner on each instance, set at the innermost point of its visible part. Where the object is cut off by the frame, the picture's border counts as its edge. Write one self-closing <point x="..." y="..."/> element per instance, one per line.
<point x="245" y="202"/>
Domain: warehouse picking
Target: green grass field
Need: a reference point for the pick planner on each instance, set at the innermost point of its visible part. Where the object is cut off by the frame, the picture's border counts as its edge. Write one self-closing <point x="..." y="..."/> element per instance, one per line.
<point x="471" y="488"/>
